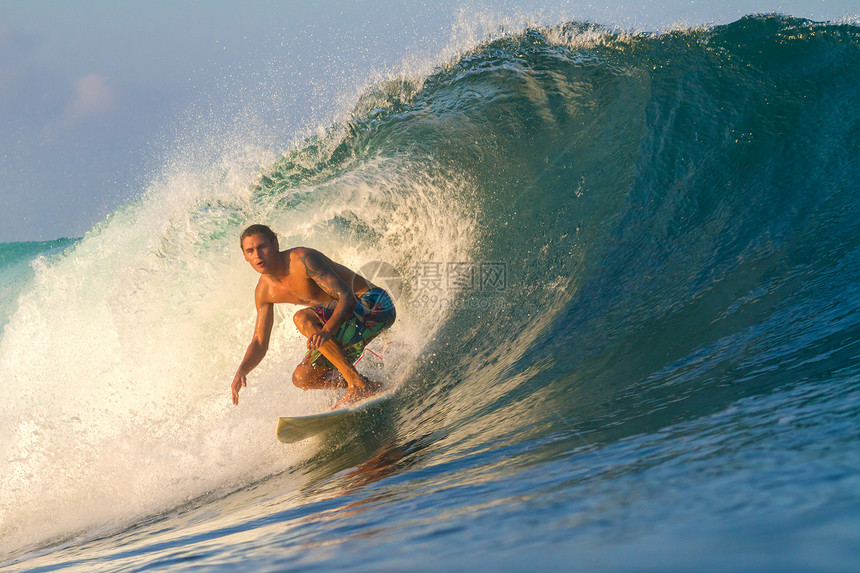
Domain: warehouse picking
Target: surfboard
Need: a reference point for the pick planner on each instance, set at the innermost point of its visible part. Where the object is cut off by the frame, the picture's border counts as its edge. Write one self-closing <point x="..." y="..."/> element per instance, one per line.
<point x="298" y="428"/>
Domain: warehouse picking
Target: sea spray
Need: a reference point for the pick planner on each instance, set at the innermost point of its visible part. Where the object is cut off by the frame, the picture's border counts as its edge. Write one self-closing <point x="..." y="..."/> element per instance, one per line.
<point x="122" y="348"/>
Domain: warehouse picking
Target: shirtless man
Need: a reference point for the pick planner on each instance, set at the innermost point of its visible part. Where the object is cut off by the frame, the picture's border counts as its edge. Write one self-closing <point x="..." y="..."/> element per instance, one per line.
<point x="344" y="312"/>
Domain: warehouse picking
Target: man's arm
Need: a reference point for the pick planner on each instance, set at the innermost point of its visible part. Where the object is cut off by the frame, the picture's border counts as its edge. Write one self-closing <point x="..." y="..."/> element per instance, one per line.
<point x="258" y="347"/>
<point x="319" y="270"/>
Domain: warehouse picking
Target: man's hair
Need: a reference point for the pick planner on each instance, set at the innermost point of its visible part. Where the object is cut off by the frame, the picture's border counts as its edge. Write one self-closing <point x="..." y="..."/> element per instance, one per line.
<point x="258" y="230"/>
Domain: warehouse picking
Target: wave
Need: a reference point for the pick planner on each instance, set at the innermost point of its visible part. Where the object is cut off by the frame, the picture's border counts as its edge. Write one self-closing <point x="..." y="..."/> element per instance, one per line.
<point x="16" y="271"/>
<point x="598" y="235"/>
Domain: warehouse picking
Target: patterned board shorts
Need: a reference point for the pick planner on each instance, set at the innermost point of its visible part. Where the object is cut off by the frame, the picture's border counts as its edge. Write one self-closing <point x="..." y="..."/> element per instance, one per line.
<point x="374" y="313"/>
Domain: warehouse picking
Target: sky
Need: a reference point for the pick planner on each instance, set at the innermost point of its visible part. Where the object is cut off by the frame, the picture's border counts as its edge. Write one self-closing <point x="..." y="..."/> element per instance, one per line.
<point x="93" y="93"/>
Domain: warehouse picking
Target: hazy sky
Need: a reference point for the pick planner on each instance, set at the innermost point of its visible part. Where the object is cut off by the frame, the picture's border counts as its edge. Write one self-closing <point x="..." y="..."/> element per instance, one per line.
<point x="91" y="93"/>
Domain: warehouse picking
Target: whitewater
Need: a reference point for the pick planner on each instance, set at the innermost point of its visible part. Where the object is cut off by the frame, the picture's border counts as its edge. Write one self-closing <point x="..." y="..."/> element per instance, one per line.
<point x="626" y="274"/>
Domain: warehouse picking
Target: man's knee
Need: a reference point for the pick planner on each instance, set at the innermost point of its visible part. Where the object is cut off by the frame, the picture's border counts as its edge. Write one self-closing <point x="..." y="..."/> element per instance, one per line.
<point x="302" y="317"/>
<point x="300" y="379"/>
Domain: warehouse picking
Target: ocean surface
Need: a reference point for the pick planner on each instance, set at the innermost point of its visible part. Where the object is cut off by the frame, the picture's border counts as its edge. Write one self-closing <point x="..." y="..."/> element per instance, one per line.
<point x="627" y="273"/>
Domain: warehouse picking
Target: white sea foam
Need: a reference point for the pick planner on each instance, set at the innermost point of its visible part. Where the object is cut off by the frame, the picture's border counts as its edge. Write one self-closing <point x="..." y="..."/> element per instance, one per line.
<point x="121" y="352"/>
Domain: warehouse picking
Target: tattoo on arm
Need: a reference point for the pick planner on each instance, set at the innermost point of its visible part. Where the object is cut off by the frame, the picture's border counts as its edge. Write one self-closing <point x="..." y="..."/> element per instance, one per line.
<point x="322" y="274"/>
<point x="314" y="265"/>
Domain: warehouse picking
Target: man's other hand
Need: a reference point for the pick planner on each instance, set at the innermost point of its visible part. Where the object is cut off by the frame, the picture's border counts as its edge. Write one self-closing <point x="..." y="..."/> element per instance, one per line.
<point x="238" y="382"/>
<point x="318" y="339"/>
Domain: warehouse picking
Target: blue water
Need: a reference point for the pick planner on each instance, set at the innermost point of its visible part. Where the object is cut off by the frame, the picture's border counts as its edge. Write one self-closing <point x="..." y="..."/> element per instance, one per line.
<point x="628" y="327"/>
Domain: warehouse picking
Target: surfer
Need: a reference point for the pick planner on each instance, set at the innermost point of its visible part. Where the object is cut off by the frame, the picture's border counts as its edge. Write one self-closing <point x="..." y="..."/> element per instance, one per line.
<point x="344" y="311"/>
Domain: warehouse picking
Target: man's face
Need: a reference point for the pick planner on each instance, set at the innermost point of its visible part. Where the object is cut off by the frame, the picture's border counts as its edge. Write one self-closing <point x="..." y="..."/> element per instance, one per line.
<point x="259" y="252"/>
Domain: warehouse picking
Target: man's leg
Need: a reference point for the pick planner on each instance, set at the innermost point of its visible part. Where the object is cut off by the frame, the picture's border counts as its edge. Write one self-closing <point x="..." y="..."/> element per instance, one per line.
<point x="358" y="386"/>
<point x="310" y="377"/>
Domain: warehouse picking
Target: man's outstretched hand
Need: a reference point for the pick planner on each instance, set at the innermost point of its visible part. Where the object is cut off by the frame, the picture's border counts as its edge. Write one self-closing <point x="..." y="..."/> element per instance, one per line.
<point x="238" y="382"/>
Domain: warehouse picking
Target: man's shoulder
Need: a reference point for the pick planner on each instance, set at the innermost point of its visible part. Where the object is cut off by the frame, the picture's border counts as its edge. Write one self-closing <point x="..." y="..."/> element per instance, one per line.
<point x="262" y="290"/>
<point x="297" y="253"/>
<point x="304" y="258"/>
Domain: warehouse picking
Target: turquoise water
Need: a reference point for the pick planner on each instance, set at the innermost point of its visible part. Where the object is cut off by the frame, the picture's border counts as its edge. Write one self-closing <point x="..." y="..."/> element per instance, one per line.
<point x="628" y="332"/>
<point x="16" y="270"/>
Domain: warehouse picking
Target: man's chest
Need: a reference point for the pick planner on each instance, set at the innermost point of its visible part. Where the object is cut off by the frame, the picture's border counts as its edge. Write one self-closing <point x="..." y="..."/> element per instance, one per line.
<point x="294" y="290"/>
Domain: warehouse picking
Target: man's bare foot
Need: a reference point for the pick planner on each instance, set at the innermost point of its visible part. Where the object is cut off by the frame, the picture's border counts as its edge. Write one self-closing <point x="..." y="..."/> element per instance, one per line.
<point x="356" y="394"/>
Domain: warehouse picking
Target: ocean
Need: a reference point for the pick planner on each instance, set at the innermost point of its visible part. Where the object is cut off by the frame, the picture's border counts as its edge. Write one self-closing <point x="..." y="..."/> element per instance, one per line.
<point x="626" y="274"/>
